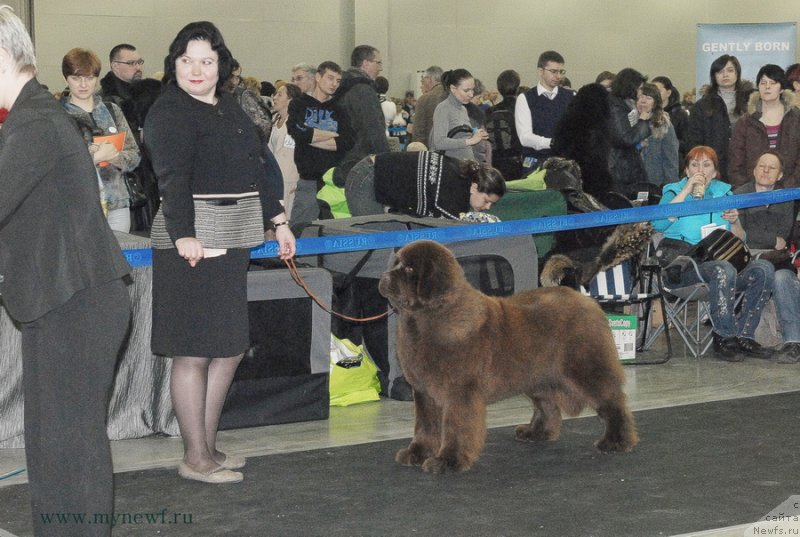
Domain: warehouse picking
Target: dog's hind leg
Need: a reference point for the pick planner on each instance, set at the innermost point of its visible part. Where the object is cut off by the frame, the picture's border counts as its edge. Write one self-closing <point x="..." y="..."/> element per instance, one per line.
<point x="463" y="432"/>
<point x="545" y="424"/>
<point x="427" y="432"/>
<point x="620" y="433"/>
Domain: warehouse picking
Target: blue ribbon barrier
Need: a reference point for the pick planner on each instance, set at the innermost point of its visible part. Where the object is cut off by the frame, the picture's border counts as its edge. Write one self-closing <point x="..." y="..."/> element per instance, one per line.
<point x="547" y="224"/>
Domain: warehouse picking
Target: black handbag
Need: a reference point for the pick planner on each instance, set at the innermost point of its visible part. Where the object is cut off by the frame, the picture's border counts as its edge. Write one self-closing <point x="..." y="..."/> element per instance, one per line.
<point x="721" y="245"/>
<point x="669" y="249"/>
<point x="136" y="193"/>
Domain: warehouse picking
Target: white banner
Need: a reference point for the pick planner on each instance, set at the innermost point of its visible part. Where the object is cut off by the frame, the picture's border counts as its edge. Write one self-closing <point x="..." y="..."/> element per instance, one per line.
<point x="754" y="45"/>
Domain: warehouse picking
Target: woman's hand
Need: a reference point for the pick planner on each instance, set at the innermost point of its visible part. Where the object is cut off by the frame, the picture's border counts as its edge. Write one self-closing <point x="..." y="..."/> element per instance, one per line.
<point x="190" y="249"/>
<point x="780" y="243"/>
<point x="686" y="191"/>
<point x="286" y="242"/>
<point x="731" y="215"/>
<point x="478" y="136"/>
<point x="104" y="152"/>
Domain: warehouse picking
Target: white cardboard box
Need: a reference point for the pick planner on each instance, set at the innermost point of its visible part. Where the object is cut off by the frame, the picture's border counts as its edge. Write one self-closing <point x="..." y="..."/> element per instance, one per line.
<point x="623" y="327"/>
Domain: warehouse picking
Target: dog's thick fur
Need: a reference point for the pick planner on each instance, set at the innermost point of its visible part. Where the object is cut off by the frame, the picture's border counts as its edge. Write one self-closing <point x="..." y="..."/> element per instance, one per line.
<point x="461" y="350"/>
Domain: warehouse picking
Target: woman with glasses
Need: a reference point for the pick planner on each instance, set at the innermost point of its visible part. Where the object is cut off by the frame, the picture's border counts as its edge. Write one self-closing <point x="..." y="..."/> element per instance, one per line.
<point x="105" y="131"/>
<point x="452" y="132"/>
<point x="772" y="123"/>
<point x="629" y="128"/>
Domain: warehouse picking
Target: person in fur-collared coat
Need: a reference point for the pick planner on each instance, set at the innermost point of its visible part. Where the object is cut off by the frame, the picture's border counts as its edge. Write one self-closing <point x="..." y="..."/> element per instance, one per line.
<point x="583" y="135"/>
<point x="772" y="122"/>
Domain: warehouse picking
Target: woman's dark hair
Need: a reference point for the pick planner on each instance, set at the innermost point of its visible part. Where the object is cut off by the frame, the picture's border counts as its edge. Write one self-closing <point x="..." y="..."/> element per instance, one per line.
<point x="792" y="75"/>
<point x="199" y="31"/>
<point x="454" y="77"/>
<point x="626" y="83"/>
<point x="488" y="179"/>
<point x="381" y="85"/>
<point x="718" y="65"/>
<point x="651" y="90"/>
<point x="508" y="83"/>
<point x="293" y="91"/>
<point x="773" y="72"/>
<point x="674" y="96"/>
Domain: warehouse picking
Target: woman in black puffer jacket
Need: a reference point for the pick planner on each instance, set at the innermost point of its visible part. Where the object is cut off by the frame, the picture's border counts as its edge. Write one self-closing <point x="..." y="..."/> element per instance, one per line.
<point x="628" y="129"/>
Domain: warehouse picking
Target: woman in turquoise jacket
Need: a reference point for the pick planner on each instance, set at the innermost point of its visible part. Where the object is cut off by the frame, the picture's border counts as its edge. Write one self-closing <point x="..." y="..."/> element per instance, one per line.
<point x="733" y="333"/>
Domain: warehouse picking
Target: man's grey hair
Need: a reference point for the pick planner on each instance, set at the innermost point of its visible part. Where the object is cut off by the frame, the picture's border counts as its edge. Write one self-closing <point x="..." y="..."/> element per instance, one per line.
<point x="435" y="72"/>
<point x="307" y="67"/>
<point x="16" y="40"/>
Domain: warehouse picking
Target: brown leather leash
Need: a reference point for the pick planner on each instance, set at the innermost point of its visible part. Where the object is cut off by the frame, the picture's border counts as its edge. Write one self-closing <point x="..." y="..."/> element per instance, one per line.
<point x="302" y="283"/>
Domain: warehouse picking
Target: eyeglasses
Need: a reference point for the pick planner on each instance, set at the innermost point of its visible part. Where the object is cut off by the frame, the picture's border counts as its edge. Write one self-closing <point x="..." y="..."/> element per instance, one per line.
<point x="561" y="72"/>
<point x="131" y="63"/>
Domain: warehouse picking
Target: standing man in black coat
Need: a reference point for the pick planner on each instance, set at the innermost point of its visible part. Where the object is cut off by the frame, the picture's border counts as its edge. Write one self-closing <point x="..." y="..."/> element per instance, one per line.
<point x="61" y="273"/>
<point x="358" y="98"/>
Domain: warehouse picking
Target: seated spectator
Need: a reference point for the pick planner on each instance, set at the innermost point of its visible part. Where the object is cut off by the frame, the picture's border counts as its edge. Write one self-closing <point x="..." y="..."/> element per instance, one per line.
<point x="733" y="329"/>
<point x="422" y="184"/>
<point x="767" y="229"/>
<point x="96" y="118"/>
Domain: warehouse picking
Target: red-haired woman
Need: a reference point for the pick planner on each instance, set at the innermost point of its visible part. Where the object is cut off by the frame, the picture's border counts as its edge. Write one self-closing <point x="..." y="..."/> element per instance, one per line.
<point x="733" y="332"/>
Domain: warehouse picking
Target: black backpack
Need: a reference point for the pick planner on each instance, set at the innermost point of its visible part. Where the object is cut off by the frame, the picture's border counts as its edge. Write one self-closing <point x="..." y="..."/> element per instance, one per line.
<point x="506" y="149"/>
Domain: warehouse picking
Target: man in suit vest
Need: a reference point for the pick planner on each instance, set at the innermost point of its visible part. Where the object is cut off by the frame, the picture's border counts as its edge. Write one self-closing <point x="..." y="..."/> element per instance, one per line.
<point x="539" y="111"/>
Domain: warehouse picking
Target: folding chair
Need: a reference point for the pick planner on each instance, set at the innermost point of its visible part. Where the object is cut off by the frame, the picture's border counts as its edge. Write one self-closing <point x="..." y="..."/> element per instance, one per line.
<point x="629" y="284"/>
<point x="679" y="313"/>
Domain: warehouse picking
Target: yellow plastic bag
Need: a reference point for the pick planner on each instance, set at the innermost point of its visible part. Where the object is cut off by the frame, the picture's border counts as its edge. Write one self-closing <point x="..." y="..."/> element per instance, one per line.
<point x="354" y="376"/>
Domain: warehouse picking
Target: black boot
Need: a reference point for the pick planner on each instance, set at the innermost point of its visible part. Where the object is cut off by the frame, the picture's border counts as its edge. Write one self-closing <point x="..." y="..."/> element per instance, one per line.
<point x="751" y="347"/>
<point x="727" y="348"/>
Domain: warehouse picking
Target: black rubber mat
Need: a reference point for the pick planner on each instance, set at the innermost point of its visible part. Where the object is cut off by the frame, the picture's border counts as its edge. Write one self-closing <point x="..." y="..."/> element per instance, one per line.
<point x="697" y="467"/>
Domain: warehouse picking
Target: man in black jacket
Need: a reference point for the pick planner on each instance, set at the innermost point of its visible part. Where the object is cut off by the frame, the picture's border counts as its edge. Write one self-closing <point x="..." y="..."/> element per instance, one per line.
<point x="322" y="133"/>
<point x="126" y="67"/>
<point x="359" y="100"/>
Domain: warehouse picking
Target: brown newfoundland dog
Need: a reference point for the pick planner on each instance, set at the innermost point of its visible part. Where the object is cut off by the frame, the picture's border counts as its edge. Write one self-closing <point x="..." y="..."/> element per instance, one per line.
<point x="461" y="350"/>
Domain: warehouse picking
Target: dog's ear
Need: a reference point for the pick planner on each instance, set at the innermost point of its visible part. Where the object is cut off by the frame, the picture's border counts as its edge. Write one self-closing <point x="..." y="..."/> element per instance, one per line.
<point x="434" y="277"/>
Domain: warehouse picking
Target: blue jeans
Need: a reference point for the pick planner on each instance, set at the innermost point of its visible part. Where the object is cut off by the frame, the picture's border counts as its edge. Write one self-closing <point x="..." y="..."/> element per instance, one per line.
<point x="360" y="189"/>
<point x="755" y="283"/>
<point x="787" y="304"/>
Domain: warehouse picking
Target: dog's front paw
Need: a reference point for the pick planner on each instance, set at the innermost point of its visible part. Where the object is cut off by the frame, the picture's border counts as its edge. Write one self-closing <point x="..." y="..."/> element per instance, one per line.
<point x="440" y="465"/>
<point x="409" y="457"/>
